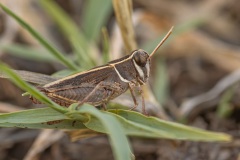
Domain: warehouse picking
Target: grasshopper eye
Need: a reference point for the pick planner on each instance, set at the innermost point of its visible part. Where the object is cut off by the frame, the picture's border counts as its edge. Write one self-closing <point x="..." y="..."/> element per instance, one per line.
<point x="141" y="57"/>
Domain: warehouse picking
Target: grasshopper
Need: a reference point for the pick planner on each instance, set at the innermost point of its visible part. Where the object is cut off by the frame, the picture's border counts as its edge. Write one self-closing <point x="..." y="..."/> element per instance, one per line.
<point x="99" y="85"/>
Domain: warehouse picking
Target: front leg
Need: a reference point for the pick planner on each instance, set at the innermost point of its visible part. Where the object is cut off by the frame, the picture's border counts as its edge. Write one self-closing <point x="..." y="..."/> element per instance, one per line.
<point x="131" y="88"/>
<point x="143" y="100"/>
<point x="139" y="89"/>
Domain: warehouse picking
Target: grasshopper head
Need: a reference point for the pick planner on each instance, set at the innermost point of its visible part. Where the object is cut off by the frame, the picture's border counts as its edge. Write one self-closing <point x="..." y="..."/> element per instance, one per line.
<point x="141" y="60"/>
<point x="141" y="63"/>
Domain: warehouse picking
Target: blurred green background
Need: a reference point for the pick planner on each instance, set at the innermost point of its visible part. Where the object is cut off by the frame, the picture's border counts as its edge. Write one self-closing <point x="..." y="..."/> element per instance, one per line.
<point x="202" y="53"/>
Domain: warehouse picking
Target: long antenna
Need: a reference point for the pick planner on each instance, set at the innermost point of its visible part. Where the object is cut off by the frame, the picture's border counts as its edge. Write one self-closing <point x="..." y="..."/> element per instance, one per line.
<point x="162" y="41"/>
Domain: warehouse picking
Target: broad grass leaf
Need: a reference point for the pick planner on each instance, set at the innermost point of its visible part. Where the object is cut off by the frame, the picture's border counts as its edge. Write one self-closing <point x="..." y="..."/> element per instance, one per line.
<point x="32" y="116"/>
<point x="136" y="124"/>
<point x="118" y="139"/>
<point x="58" y="124"/>
<point x="173" y="130"/>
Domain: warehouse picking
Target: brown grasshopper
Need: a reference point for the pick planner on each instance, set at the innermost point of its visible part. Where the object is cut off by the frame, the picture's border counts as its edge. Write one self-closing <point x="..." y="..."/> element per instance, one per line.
<point x="99" y="85"/>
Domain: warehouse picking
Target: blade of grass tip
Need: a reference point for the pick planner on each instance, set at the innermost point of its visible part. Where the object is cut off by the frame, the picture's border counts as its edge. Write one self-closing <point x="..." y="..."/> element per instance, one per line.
<point x="71" y="32"/>
<point x="144" y="126"/>
<point x="105" y="45"/>
<point x="25" y="86"/>
<point x="118" y="139"/>
<point x="40" y="39"/>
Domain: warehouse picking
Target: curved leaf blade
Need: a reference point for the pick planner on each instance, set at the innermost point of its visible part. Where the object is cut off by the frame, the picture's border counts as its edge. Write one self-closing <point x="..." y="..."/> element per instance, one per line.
<point x="174" y="130"/>
<point x="136" y="124"/>
<point x="40" y="39"/>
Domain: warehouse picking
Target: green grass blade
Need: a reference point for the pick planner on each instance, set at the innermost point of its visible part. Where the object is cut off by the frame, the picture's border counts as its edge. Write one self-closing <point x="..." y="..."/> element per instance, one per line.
<point x="39" y="119"/>
<point x="130" y="128"/>
<point x="173" y="130"/>
<point x="105" y="45"/>
<point x="138" y="125"/>
<point x="161" y="82"/>
<point x="30" y="116"/>
<point x="225" y="107"/>
<point x="27" y="87"/>
<point x="29" y="53"/>
<point x="40" y="39"/>
<point x="71" y="31"/>
<point x="63" y="124"/>
<point x="118" y="139"/>
<point x="95" y="16"/>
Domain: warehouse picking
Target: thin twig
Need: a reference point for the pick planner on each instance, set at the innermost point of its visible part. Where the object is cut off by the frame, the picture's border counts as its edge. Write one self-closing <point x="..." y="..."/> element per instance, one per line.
<point x="189" y="105"/>
<point x="44" y="140"/>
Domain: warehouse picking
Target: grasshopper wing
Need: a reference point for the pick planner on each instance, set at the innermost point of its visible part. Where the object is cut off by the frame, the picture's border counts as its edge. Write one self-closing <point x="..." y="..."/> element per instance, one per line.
<point x="75" y="88"/>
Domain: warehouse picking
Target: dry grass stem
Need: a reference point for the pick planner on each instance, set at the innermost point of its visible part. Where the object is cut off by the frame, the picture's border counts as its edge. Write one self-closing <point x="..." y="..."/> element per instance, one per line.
<point x="123" y="13"/>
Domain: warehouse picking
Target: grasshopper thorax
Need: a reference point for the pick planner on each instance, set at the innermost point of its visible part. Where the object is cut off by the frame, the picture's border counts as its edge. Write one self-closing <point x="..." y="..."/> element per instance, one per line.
<point x="141" y="61"/>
